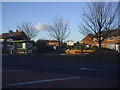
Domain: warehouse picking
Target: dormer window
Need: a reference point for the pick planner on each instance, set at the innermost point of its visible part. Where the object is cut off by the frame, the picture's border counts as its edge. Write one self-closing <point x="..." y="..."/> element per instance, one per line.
<point x="110" y="38"/>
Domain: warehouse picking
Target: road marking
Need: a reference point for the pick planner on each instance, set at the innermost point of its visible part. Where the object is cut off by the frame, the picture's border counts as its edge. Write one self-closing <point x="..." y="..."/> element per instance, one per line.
<point x="87" y="69"/>
<point x="12" y="70"/>
<point x="41" y="81"/>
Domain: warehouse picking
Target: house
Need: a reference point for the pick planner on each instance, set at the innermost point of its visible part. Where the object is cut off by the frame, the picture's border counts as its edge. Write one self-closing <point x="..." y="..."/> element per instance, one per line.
<point x="52" y="43"/>
<point x="89" y="40"/>
<point x="70" y="43"/>
<point x="10" y="42"/>
<point x="48" y="42"/>
<point x="17" y="35"/>
<point x="46" y="45"/>
<point x="112" y="41"/>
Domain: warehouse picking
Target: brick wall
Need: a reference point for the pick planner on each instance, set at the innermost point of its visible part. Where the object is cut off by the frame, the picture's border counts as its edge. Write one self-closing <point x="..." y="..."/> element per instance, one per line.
<point x="91" y="41"/>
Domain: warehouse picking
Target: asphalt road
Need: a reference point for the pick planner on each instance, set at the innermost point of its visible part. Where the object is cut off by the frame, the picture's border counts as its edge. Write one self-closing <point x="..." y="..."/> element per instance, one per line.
<point x="55" y="71"/>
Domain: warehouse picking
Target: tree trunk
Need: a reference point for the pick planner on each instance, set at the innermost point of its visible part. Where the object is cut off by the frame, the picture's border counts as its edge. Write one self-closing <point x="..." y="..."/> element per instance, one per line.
<point x="59" y="43"/>
<point x="100" y="47"/>
<point x="99" y="44"/>
<point x="59" y="47"/>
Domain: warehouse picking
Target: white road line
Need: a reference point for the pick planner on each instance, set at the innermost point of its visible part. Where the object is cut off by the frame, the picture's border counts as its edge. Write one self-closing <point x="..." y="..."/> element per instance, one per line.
<point x="87" y="69"/>
<point x="41" y="81"/>
<point x="12" y="70"/>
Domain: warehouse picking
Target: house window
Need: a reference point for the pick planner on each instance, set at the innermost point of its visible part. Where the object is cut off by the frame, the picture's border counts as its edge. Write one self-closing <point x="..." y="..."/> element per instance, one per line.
<point x="111" y="46"/>
<point x="118" y="37"/>
<point x="110" y="38"/>
<point x="102" y="45"/>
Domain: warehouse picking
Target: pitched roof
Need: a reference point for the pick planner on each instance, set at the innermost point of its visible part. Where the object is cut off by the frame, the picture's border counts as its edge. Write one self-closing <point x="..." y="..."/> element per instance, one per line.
<point x="17" y="35"/>
<point x="115" y="32"/>
<point x="47" y="41"/>
<point x="52" y="41"/>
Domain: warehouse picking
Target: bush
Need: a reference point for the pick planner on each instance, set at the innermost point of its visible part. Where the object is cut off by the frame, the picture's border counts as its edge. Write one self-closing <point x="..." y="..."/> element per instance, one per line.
<point x="94" y="47"/>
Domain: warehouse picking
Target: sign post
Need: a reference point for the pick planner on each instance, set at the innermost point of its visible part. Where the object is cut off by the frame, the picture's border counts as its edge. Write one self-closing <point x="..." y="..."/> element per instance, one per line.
<point x="10" y="34"/>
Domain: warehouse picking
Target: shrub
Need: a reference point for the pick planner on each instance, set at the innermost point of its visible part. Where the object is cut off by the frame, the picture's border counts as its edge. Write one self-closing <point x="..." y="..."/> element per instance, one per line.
<point x="94" y="47"/>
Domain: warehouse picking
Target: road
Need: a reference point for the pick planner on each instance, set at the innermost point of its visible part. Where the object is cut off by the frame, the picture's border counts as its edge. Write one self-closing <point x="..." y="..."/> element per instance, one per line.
<point x="56" y="72"/>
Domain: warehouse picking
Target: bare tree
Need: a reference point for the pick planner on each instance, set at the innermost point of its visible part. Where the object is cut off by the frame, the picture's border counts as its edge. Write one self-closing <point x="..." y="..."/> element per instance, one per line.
<point x="99" y="19"/>
<point x="29" y="30"/>
<point x="59" y="30"/>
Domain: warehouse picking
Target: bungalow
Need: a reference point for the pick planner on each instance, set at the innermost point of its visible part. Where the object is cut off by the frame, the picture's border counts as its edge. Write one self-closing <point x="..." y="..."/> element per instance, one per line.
<point x="112" y="41"/>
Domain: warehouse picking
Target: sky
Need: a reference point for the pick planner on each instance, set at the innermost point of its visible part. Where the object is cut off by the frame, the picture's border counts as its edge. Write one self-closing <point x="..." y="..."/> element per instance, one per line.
<point x="41" y="14"/>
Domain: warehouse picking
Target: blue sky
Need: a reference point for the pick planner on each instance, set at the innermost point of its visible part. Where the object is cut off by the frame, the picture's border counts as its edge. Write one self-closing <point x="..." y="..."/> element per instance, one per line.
<point x="14" y="14"/>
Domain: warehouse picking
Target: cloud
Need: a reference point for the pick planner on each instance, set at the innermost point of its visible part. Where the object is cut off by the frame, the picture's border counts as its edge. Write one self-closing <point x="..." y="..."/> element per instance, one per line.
<point x="42" y="27"/>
